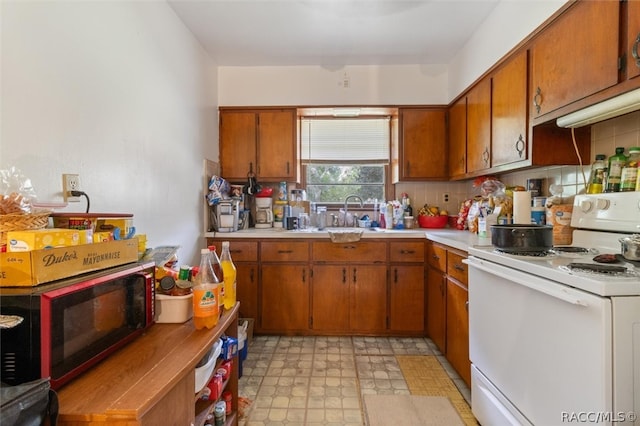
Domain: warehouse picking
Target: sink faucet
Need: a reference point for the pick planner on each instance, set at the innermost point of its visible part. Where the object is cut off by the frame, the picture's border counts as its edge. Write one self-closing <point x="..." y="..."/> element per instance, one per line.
<point x="346" y="205"/>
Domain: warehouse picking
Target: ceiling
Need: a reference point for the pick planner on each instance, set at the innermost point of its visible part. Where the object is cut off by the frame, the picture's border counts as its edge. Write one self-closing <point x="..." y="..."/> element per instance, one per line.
<point x="332" y="33"/>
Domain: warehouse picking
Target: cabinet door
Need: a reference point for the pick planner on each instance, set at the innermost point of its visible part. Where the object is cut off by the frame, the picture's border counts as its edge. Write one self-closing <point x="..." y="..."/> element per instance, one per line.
<point x="423" y="153"/>
<point x="479" y="126"/>
<point x="368" y="298"/>
<point x="458" y="138"/>
<point x="247" y="289"/>
<point x="407" y="298"/>
<point x="509" y="112"/>
<point x="458" y="330"/>
<point x="576" y="56"/>
<point x="285" y="297"/>
<point x="330" y="298"/>
<point x="277" y="146"/>
<point x="633" y="39"/>
<point x="436" y="307"/>
<point x="237" y="144"/>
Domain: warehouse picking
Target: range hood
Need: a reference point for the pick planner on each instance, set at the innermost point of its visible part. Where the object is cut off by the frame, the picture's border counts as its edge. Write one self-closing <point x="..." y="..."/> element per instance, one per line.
<point x="614" y="107"/>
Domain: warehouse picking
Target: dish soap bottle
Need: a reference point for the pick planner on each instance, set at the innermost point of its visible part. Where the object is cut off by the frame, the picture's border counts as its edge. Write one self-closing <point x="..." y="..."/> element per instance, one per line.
<point x="596" y="180"/>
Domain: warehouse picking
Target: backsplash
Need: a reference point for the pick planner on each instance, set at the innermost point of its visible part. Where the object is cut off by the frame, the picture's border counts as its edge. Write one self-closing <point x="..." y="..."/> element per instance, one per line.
<point x="605" y="137"/>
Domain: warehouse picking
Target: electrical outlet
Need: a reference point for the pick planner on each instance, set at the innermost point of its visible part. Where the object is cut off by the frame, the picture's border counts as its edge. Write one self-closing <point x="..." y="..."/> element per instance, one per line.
<point x="445" y="197"/>
<point x="70" y="183"/>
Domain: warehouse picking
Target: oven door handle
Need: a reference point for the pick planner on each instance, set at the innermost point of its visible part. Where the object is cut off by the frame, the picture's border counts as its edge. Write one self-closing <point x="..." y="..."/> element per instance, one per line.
<point x="497" y="270"/>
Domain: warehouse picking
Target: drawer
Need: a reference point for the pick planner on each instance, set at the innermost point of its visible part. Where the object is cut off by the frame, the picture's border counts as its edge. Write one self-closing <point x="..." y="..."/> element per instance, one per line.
<point x="284" y="251"/>
<point x="370" y="252"/>
<point x="437" y="257"/>
<point x="410" y="251"/>
<point x="455" y="268"/>
<point x="243" y="251"/>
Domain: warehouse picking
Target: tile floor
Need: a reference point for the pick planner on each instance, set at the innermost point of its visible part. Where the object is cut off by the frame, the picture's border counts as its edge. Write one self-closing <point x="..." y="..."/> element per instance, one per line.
<point x="322" y="380"/>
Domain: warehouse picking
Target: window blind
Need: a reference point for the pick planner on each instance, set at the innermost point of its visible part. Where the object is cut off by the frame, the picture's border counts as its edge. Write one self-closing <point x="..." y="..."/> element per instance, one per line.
<point x="363" y="139"/>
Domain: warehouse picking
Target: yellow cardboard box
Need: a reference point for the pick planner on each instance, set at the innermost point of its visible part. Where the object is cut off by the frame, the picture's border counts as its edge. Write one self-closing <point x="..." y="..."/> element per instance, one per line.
<point x="26" y="269"/>
<point x="109" y="224"/>
<point x="38" y="239"/>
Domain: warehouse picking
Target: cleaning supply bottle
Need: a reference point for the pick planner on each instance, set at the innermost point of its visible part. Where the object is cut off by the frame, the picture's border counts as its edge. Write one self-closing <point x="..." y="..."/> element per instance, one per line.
<point x="596" y="179"/>
<point x="229" y="272"/>
<point x="616" y="163"/>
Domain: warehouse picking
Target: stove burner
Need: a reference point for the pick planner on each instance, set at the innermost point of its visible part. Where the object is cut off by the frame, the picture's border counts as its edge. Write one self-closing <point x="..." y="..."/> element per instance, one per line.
<point x="537" y="254"/>
<point x="599" y="269"/>
<point x="570" y="249"/>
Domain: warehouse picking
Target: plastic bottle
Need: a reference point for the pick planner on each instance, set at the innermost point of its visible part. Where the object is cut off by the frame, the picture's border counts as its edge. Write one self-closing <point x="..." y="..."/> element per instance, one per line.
<point x="596" y="179"/>
<point x="217" y="269"/>
<point x="629" y="174"/>
<point x="205" y="294"/>
<point x="616" y="163"/>
<point x="229" y="271"/>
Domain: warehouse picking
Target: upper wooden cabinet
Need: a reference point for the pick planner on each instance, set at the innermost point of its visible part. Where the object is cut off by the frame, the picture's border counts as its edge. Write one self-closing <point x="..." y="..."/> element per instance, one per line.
<point x="509" y="112"/>
<point x="262" y="141"/>
<point x="479" y="126"/>
<point x="421" y="150"/>
<point x="575" y="56"/>
<point x="632" y="52"/>
<point x="458" y="138"/>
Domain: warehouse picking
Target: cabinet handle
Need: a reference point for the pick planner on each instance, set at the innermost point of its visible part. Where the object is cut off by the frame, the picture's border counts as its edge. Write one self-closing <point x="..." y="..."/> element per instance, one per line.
<point x="458" y="267"/>
<point x="344" y="275"/>
<point x="407" y="251"/>
<point x="288" y="167"/>
<point x="348" y="247"/>
<point x="520" y="146"/>
<point x="485" y="157"/>
<point x="436" y="257"/>
<point x="285" y="251"/>
<point x="537" y="100"/>
<point x="408" y="168"/>
<point x="395" y="275"/>
<point x="466" y="306"/>
<point x="634" y="50"/>
<point x="304" y="275"/>
<point x="251" y="275"/>
<point x="354" y="275"/>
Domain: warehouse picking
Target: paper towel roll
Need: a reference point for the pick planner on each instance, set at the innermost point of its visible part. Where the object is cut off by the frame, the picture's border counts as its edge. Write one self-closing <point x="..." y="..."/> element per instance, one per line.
<point x="522" y="207"/>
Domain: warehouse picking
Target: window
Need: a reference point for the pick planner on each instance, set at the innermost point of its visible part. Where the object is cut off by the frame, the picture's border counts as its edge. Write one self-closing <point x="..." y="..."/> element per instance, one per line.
<point x="344" y="156"/>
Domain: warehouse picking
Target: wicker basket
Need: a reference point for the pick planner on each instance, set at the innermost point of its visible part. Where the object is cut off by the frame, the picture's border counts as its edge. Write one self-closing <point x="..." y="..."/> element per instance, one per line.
<point x="22" y="222"/>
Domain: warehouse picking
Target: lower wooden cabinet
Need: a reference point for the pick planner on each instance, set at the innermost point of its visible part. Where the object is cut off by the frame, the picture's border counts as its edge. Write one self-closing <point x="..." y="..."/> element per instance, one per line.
<point x="285" y="298"/>
<point x="458" y="329"/>
<point x="447" y="306"/>
<point x="407" y="298"/>
<point x="437" y="308"/>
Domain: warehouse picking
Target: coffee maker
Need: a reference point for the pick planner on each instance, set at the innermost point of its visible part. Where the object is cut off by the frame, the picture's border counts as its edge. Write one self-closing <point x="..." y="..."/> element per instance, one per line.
<point x="264" y="212"/>
<point x="226" y="215"/>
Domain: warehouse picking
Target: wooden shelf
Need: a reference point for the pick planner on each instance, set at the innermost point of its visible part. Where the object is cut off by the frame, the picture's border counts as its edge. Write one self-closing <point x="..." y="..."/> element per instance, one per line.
<point x="148" y="382"/>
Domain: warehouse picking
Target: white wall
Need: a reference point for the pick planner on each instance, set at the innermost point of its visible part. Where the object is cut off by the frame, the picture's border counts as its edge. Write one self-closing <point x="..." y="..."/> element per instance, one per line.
<point x="123" y="95"/>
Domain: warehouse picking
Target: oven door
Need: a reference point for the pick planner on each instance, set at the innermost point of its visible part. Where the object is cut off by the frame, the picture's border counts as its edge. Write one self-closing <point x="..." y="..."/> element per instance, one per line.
<point x="540" y="350"/>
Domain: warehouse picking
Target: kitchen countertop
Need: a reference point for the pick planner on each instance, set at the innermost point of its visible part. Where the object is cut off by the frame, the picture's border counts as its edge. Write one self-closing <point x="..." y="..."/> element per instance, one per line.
<point x="460" y="240"/>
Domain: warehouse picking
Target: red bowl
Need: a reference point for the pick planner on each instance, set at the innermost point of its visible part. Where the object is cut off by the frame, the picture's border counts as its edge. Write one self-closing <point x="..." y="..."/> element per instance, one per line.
<point x="265" y="192"/>
<point x="433" y="221"/>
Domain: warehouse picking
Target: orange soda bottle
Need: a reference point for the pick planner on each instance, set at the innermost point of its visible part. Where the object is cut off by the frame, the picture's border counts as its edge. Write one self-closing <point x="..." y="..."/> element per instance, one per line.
<point x="206" y="294"/>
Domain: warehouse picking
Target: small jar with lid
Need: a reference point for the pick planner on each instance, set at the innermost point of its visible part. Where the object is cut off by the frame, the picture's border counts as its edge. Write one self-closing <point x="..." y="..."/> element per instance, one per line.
<point x="629" y="176"/>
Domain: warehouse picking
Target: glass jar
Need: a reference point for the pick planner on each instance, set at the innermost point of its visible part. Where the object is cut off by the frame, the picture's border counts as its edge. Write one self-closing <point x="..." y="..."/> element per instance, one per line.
<point x="629" y="174"/>
<point x="596" y="179"/>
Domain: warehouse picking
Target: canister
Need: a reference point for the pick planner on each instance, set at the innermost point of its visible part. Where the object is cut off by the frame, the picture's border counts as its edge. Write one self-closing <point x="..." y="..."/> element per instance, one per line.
<point x="278" y="213"/>
<point x="538" y="213"/>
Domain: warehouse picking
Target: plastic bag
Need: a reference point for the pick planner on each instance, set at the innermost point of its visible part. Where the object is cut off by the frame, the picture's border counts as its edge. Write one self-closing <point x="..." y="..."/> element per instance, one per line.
<point x="218" y="190"/>
<point x="16" y="192"/>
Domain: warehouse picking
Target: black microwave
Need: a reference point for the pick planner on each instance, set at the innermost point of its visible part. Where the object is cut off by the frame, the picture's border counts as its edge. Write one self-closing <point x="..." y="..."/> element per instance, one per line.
<point x="69" y="325"/>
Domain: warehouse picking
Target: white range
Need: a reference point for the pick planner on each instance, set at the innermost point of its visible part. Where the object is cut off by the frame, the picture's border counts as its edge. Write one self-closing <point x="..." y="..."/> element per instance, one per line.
<point x="554" y="344"/>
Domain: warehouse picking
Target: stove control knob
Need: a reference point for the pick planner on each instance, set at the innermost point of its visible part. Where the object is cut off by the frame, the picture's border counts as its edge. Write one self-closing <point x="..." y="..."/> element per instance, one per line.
<point x="586" y="205"/>
<point x="602" y="204"/>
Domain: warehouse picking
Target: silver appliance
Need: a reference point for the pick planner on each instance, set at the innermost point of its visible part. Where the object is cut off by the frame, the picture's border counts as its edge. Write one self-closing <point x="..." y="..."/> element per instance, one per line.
<point x="226" y="215"/>
<point x="556" y="338"/>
